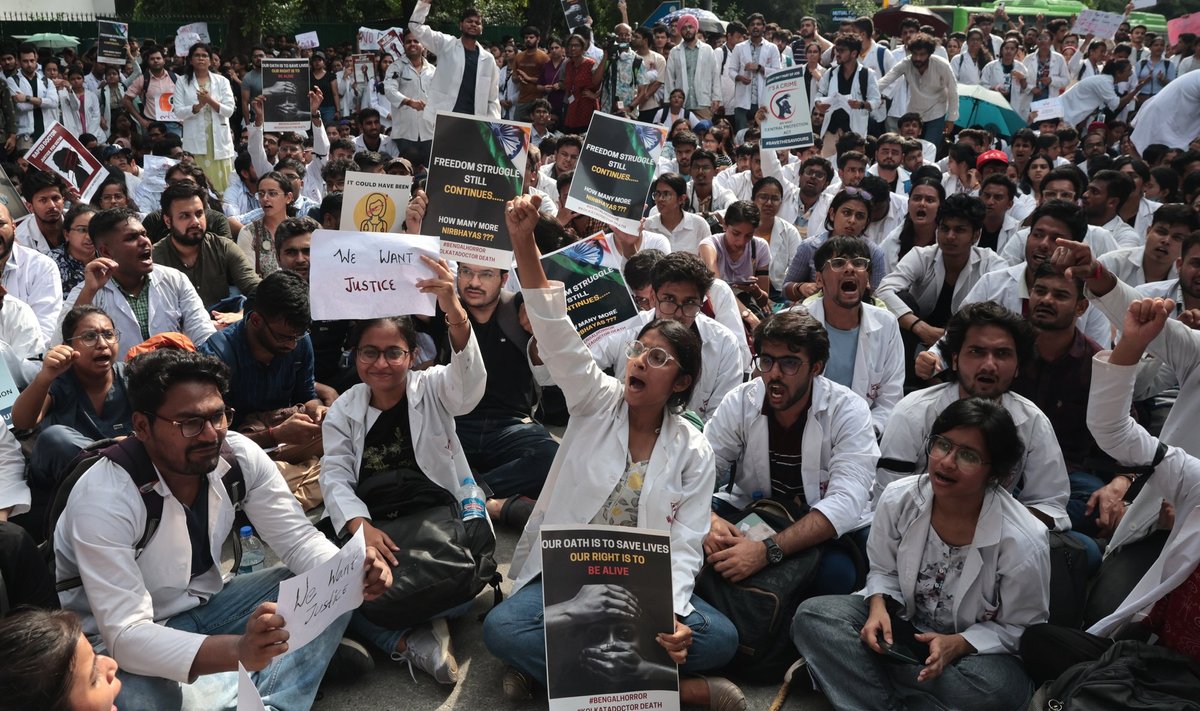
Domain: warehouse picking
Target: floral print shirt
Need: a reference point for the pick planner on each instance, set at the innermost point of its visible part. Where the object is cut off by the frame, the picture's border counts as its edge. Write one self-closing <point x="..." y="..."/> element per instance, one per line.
<point x="621" y="507"/>
<point x="937" y="579"/>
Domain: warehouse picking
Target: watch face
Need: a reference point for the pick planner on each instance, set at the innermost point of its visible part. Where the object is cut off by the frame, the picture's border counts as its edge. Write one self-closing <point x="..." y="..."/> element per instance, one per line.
<point x="774" y="552"/>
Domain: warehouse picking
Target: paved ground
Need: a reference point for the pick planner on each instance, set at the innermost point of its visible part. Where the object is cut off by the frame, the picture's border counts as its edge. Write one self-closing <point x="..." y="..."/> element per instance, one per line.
<point x="390" y="687"/>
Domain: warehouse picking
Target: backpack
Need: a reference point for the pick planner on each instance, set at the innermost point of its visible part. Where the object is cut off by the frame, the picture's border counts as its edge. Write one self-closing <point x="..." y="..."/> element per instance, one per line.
<point x="146" y="89"/>
<point x="761" y="607"/>
<point x="1068" y="580"/>
<point x="130" y="455"/>
<point x="1129" y="676"/>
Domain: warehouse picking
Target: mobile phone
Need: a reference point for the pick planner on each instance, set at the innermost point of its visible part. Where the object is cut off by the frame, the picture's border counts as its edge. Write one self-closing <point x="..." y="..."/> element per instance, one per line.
<point x="893" y="653"/>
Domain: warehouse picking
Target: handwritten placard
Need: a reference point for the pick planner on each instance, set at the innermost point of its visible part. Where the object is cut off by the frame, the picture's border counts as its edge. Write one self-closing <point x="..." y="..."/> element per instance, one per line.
<point x="1047" y="109"/>
<point x="184" y="43"/>
<point x="360" y="275"/>
<point x="307" y="40"/>
<point x="1097" y="23"/>
<point x="248" y="697"/>
<point x="200" y="29"/>
<point x="368" y="39"/>
<point x="311" y="601"/>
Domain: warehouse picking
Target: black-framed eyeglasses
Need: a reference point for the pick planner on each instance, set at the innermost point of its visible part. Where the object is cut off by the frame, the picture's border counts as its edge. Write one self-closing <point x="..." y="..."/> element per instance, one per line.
<point x="967" y="460"/>
<point x="860" y="264"/>
<point x="392" y="354"/>
<point x="91" y="338"/>
<point x="788" y="365"/>
<point x="669" y="307"/>
<point x="284" y="338"/>
<point x="191" y="427"/>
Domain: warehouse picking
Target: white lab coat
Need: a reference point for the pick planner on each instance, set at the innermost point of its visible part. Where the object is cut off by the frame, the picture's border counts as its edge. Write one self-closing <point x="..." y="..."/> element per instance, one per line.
<point x="677" y="489"/>
<point x="1041" y="473"/>
<point x="768" y="57"/>
<point x="1176" y="479"/>
<point x="1087" y="97"/>
<point x="707" y="75"/>
<point x="922" y="273"/>
<point x="1004" y="585"/>
<point x="1059" y="75"/>
<point x="195" y="140"/>
<point x="727" y="311"/>
<point x="1126" y="264"/>
<point x="719" y="350"/>
<point x="966" y="71"/>
<point x="69" y="102"/>
<point x="839" y="451"/>
<point x="1099" y="239"/>
<point x="443" y="89"/>
<point x="878" y="361"/>
<point x="1159" y="120"/>
<point x="434" y="396"/>
<point x="1019" y="98"/>
<point x="828" y="87"/>
<point x="404" y="81"/>
<point x="1007" y="287"/>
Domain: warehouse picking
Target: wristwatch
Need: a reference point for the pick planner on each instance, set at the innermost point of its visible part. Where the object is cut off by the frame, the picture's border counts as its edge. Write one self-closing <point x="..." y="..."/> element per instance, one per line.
<point x="774" y="552"/>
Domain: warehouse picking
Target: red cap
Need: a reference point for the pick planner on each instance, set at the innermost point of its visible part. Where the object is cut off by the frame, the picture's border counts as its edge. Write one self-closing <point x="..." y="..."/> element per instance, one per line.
<point x="989" y="156"/>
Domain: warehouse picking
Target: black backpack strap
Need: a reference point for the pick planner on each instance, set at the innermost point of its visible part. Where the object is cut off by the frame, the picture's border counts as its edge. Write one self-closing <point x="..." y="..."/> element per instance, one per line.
<point x="897" y="465"/>
<point x="1142" y="474"/>
<point x="235" y="487"/>
<point x="130" y="454"/>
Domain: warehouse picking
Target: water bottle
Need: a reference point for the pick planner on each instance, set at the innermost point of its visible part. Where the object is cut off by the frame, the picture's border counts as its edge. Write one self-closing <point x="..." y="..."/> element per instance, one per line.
<point x="253" y="556"/>
<point x="472" y="498"/>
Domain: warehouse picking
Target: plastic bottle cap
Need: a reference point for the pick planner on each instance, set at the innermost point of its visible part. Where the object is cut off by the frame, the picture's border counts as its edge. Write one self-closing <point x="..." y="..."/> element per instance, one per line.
<point x="247" y="531"/>
<point x="468" y="481"/>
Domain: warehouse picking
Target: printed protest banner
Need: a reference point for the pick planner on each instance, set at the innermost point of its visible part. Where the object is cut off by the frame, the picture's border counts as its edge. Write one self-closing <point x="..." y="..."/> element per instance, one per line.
<point x="312" y="600"/>
<point x="789" y="122"/>
<point x="369" y="274"/>
<point x="286" y="83"/>
<point x="368" y="39"/>
<point x="1180" y="25"/>
<point x="307" y="40"/>
<point x="1102" y="25"/>
<point x="364" y="69"/>
<point x="478" y="165"/>
<point x="112" y="42"/>
<point x="10" y="198"/>
<point x="598" y="299"/>
<point x="59" y="151"/>
<point x="248" y="697"/>
<point x="575" y="12"/>
<point x="375" y="202"/>
<point x="8" y="393"/>
<point x="615" y="170"/>
<point x="618" y="580"/>
<point x="392" y="42"/>
<point x="1047" y="108"/>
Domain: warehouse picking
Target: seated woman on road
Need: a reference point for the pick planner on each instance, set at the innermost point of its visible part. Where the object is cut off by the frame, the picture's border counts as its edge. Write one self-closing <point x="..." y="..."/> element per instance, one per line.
<point x="740" y="259"/>
<point x="959" y="569"/>
<point x="46" y="664"/>
<point x="625" y="441"/>
<point x="368" y="432"/>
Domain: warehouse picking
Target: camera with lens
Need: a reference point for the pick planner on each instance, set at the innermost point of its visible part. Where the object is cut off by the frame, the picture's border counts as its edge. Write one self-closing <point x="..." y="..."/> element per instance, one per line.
<point x="614" y="46"/>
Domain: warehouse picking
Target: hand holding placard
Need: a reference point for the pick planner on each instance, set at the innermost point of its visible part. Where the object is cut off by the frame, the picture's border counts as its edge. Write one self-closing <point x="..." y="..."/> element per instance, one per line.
<point x="311" y="601"/>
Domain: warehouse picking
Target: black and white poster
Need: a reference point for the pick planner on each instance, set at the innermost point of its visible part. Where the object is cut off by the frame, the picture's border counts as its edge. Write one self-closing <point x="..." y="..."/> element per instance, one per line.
<point x="59" y="151"/>
<point x="616" y="170"/>
<point x="112" y="42"/>
<point x="576" y="13"/>
<point x="606" y="592"/>
<point x="286" y="84"/>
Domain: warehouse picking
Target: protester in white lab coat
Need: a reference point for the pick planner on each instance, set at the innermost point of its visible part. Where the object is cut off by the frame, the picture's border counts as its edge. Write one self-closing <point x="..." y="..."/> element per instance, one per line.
<point x="625" y="441"/>
<point x="454" y="54"/>
<point x="1159" y="120"/>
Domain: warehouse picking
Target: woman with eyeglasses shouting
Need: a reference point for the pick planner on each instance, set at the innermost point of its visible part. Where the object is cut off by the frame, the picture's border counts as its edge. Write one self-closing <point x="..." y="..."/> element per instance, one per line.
<point x="391" y="449"/>
<point x="959" y="570"/>
<point x="257" y="239"/>
<point x="77" y="398"/>
<point x="628" y="458"/>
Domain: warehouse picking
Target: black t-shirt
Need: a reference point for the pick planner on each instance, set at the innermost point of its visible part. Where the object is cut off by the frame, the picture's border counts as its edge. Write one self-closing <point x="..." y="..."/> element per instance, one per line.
<point x="989" y="239"/>
<point x="197" y="528"/>
<point x="785" y="445"/>
<point x="329" y="343"/>
<point x="465" y="104"/>
<point x="510" y="394"/>
<point x="388" y="447"/>
<point x="840" y="120"/>
<point x="325" y="84"/>
<point x="941" y="310"/>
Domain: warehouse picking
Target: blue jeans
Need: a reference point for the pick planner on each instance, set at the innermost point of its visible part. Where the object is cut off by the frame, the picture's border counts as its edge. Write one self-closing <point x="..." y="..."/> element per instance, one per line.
<point x="327" y="114"/>
<point x="1083" y="527"/>
<point x="289" y="682"/>
<point x="935" y="130"/>
<point x="515" y="633"/>
<point x="512" y="456"/>
<point x="825" y="630"/>
<point x="54" y="449"/>
<point x="385" y="639"/>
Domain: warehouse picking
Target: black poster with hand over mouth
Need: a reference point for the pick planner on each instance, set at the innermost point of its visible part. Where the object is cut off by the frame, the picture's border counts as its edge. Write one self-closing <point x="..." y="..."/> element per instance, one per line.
<point x="286" y="83"/>
<point x="576" y="13"/>
<point x="607" y="595"/>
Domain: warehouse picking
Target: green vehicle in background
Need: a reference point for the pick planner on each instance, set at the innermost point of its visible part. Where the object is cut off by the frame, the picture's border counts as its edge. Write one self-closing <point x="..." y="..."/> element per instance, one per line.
<point x="959" y="18"/>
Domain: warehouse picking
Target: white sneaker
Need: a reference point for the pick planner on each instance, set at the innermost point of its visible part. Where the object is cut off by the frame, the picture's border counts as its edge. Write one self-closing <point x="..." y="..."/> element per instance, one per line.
<point x="429" y="649"/>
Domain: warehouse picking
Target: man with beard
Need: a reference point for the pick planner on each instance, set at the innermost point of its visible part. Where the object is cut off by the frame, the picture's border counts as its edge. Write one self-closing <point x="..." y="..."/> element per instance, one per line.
<point x="1106" y="192"/>
<point x="527" y="69"/>
<point x="693" y="67"/>
<point x="213" y="264"/>
<point x="865" y="348"/>
<point x="889" y="153"/>
<point x="140" y="299"/>
<point x="704" y="197"/>
<point x="130" y="593"/>
<point x="155" y="82"/>
<point x="997" y="193"/>
<point x="752" y="61"/>
<point x="988" y="344"/>
<point x="44" y="193"/>
<point x="1059" y="184"/>
<point x="802" y="440"/>
<point x="804" y="193"/>
<point x="30" y="276"/>
<point x="270" y="360"/>
<point x="932" y="87"/>
<point x="846" y="94"/>
<point x="1156" y="261"/>
<point x="405" y="87"/>
<point x="466" y="80"/>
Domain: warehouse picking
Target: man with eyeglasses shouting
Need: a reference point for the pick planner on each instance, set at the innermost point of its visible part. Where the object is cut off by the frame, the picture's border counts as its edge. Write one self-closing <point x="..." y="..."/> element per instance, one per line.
<point x="271" y="371"/>
<point x="178" y="631"/>
<point x="681" y="282"/>
<point x="793" y="436"/>
<point x="866" y="351"/>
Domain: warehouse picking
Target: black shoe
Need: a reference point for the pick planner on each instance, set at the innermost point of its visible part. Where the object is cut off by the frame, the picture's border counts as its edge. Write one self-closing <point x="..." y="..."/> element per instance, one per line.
<point x="350" y="662"/>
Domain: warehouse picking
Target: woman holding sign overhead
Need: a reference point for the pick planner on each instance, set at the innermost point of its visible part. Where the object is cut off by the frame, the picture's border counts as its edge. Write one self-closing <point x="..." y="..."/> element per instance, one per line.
<point x="391" y="453"/>
<point x="626" y="442"/>
<point x="203" y="101"/>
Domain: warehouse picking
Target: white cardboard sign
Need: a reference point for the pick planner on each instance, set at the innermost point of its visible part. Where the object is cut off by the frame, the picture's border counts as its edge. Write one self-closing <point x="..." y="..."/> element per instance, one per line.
<point x="311" y="601"/>
<point x="361" y="275"/>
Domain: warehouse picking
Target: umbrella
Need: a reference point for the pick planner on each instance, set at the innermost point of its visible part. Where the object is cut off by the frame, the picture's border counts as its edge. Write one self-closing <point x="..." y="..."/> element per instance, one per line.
<point x="52" y="40"/>
<point x="709" y="22"/>
<point x="888" y="20"/>
<point x="985" y="108"/>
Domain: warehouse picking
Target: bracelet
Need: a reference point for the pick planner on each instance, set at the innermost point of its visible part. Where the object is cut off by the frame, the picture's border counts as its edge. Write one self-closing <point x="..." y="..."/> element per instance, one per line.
<point x="271" y="434"/>
<point x="1097" y="272"/>
<point x="912" y="326"/>
<point x="458" y="323"/>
